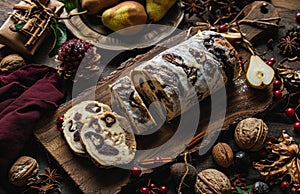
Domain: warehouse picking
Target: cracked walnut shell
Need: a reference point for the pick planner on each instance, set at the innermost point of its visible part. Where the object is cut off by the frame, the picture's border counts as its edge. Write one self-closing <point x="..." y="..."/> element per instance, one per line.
<point x="22" y="170"/>
<point x="211" y="181"/>
<point x="250" y="134"/>
<point x="222" y="154"/>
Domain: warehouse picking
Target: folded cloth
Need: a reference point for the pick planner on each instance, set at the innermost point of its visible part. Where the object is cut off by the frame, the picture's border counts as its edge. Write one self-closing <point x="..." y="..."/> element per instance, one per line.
<point x="25" y="95"/>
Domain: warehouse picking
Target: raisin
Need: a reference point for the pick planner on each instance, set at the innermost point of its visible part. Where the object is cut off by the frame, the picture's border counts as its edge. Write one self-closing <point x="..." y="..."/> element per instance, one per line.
<point x="77" y="116"/>
<point x="93" y="108"/>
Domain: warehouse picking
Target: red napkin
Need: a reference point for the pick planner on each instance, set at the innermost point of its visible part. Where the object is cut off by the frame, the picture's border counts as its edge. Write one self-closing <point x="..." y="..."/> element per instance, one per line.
<point x="25" y="95"/>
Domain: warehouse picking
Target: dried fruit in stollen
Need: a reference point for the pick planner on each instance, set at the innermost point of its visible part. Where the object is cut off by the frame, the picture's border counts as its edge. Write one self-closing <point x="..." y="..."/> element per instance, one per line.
<point x="284" y="160"/>
<point x="77" y="56"/>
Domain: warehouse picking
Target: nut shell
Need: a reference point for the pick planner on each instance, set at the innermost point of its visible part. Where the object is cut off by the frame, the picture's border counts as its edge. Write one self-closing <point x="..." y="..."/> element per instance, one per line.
<point x="250" y="134"/>
<point x="11" y="62"/>
<point x="222" y="154"/>
<point x="178" y="170"/>
<point x="212" y="181"/>
<point x="23" y="169"/>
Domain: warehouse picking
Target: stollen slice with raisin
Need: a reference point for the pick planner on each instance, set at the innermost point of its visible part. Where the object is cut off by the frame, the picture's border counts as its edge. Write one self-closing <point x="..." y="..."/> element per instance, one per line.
<point x="75" y="118"/>
<point x="127" y="102"/>
<point x="108" y="139"/>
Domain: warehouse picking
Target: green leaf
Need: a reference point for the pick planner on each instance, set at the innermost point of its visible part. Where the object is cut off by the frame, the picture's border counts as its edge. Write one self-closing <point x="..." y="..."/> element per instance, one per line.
<point x="20" y="25"/>
<point x="240" y="191"/>
<point x="60" y="36"/>
<point x="69" y="4"/>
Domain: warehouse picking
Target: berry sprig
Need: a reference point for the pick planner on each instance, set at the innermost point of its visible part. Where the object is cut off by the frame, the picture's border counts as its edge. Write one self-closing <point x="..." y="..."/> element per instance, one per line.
<point x="152" y="188"/>
<point x="59" y="122"/>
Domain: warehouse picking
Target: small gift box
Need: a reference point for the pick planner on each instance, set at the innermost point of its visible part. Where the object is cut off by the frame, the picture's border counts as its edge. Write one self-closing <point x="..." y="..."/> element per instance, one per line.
<point x="29" y="25"/>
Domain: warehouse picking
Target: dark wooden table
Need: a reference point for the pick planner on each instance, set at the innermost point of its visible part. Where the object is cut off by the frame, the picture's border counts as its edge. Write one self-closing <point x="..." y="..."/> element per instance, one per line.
<point x="286" y="9"/>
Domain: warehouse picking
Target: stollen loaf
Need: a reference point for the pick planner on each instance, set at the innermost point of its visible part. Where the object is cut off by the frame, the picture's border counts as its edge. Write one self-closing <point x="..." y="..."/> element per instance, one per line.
<point x="181" y="76"/>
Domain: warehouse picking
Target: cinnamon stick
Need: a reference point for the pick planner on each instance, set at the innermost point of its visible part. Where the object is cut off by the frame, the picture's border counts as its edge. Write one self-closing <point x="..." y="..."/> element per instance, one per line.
<point x="29" y="24"/>
<point x="34" y="37"/>
<point x="196" y="139"/>
<point x="22" y="7"/>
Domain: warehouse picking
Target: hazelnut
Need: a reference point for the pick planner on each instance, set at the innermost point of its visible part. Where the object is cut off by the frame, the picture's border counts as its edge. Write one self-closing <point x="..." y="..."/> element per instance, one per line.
<point x="250" y="134"/>
<point x="222" y="154"/>
<point x="211" y="181"/>
<point x="11" y="62"/>
<point x="22" y="170"/>
<point x="178" y="170"/>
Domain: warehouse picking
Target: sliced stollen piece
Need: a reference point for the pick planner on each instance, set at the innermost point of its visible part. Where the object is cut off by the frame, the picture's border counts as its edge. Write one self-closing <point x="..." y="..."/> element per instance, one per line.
<point x="108" y="139"/>
<point x="160" y="87"/>
<point x="181" y="76"/>
<point x="75" y="118"/>
<point x="127" y="102"/>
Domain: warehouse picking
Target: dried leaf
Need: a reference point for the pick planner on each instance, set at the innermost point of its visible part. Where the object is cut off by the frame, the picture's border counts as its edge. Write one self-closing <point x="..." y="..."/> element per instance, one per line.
<point x="284" y="160"/>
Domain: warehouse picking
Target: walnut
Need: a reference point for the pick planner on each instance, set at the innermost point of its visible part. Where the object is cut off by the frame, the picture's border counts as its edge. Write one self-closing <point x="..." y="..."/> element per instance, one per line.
<point x="222" y="154"/>
<point x="23" y="170"/>
<point x="212" y="181"/>
<point x="250" y="134"/>
<point x="11" y="62"/>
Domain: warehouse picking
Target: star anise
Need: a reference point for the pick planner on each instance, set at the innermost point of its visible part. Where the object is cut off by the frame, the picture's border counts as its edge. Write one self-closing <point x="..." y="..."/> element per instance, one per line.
<point x="193" y="7"/>
<point x="289" y="46"/>
<point x="45" y="183"/>
<point x="50" y="176"/>
<point x="284" y="160"/>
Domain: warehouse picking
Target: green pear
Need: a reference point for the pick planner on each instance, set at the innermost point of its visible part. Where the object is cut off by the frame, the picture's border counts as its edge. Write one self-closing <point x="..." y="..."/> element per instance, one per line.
<point x="94" y="6"/>
<point x="124" y="15"/>
<point x="157" y="9"/>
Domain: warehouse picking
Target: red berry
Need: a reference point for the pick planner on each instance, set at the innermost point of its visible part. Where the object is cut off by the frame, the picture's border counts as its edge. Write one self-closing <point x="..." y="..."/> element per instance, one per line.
<point x="61" y="129"/>
<point x="277" y="84"/>
<point x="298" y="101"/>
<point x="163" y="189"/>
<point x="277" y="94"/>
<point x="152" y="186"/>
<point x="270" y="63"/>
<point x="272" y="59"/>
<point x="298" y="17"/>
<point x="144" y="190"/>
<point x="297" y="126"/>
<point x="136" y="171"/>
<point x="60" y="120"/>
<point x="222" y="28"/>
<point x="263" y="153"/>
<point x="284" y="185"/>
<point x="290" y="112"/>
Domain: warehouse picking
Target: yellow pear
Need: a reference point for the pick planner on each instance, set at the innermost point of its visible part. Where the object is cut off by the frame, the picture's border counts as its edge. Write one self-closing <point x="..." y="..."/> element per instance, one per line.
<point x="124" y="15"/>
<point x="94" y="6"/>
<point x="157" y="9"/>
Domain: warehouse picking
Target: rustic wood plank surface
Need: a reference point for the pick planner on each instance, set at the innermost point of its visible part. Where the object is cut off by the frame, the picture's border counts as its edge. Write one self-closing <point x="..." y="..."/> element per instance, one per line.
<point x="91" y="179"/>
<point x="242" y="102"/>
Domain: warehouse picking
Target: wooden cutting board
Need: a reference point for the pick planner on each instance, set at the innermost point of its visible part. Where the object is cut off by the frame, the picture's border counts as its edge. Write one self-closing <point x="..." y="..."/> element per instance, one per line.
<point x="242" y="102"/>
